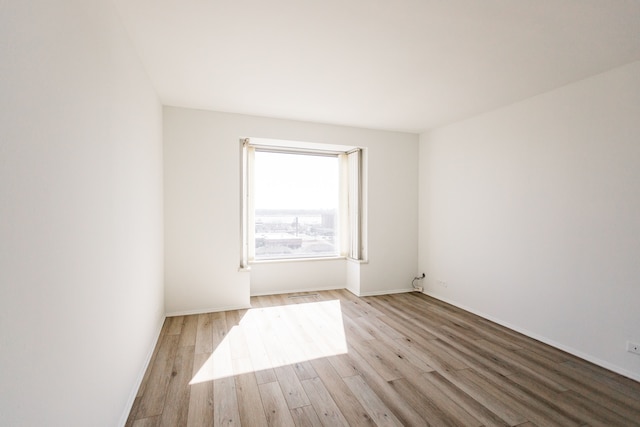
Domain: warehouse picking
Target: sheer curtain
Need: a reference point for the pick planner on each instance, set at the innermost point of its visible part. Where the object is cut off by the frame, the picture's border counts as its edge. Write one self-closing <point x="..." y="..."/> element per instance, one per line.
<point x="246" y="204"/>
<point x="354" y="203"/>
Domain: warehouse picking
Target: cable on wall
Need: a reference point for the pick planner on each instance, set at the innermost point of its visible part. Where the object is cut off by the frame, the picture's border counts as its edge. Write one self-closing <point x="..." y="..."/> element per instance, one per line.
<point x="413" y="283"/>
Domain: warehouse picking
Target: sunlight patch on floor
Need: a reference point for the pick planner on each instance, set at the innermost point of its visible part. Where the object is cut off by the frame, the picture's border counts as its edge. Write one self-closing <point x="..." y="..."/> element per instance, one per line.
<point x="269" y="337"/>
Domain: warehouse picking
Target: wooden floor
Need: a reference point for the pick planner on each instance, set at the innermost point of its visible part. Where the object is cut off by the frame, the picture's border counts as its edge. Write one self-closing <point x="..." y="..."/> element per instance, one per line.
<point x="332" y="359"/>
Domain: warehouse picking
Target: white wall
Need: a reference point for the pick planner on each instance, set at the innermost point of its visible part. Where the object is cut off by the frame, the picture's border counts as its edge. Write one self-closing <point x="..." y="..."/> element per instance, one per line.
<point x="80" y="215"/>
<point x="297" y="276"/>
<point x="202" y="210"/>
<point x="531" y="215"/>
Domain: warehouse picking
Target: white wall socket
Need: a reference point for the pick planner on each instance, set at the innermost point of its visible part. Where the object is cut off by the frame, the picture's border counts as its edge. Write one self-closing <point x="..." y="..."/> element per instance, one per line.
<point x="442" y="283"/>
<point x="633" y="347"/>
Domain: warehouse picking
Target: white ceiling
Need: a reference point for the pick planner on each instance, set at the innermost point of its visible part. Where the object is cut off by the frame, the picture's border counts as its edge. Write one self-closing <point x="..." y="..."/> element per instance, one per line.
<point x="404" y="65"/>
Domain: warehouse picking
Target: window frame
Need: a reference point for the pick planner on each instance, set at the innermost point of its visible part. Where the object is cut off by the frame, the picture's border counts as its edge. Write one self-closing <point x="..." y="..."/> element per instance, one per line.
<point x="352" y="204"/>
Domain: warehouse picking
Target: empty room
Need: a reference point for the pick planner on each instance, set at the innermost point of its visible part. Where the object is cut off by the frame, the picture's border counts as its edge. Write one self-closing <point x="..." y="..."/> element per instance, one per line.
<point x="320" y="213"/>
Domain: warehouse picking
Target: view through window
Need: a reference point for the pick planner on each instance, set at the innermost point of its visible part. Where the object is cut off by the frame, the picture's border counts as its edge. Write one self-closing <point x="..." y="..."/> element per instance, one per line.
<point x="296" y="200"/>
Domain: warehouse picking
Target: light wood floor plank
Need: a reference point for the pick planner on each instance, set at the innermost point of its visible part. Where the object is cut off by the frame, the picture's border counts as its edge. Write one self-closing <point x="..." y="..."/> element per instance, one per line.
<point x="593" y="388"/>
<point x="330" y="358"/>
<point x="343" y="365"/>
<point x="370" y="351"/>
<point x="430" y="412"/>
<point x="175" y="325"/>
<point x="323" y="403"/>
<point x="596" y="414"/>
<point x="397" y="403"/>
<point x="275" y="405"/>
<point x="305" y="417"/>
<point x="448" y="407"/>
<point x="375" y="407"/>
<point x="225" y="402"/>
<point x="472" y="355"/>
<point x="528" y="403"/>
<point x="377" y="328"/>
<point x="152" y="402"/>
<point x="145" y="378"/>
<point x="490" y="397"/>
<point x="219" y="328"/>
<point x="521" y="365"/>
<point x="147" y="422"/>
<point x="236" y="335"/>
<point x="523" y="400"/>
<point x="611" y="380"/>
<point x="464" y="400"/>
<point x="551" y="397"/>
<point x="176" y="405"/>
<point x="304" y="370"/>
<point x="204" y="334"/>
<point x="200" y="396"/>
<point x="354" y="331"/>
<point x="188" y="332"/>
<point x="133" y="412"/>
<point x="350" y="406"/>
<point x="252" y="412"/>
<point x="291" y="387"/>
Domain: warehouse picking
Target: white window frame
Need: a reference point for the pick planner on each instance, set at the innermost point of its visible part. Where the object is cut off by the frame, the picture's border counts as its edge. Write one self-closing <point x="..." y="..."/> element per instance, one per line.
<point x="352" y="209"/>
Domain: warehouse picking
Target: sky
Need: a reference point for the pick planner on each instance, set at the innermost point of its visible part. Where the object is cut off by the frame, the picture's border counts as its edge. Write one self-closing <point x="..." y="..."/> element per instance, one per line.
<point x="295" y="181"/>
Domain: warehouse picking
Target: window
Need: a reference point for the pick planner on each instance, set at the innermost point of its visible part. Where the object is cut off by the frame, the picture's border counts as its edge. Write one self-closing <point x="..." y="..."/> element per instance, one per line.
<point x="300" y="200"/>
<point x="296" y="205"/>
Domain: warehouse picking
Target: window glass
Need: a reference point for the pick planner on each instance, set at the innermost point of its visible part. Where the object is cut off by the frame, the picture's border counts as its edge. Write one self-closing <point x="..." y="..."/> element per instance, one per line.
<point x="296" y="198"/>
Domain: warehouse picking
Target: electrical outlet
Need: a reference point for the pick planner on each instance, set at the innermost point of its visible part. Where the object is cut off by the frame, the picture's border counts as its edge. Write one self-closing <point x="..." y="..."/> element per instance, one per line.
<point x="418" y="289"/>
<point x="633" y="347"/>
<point x="443" y="283"/>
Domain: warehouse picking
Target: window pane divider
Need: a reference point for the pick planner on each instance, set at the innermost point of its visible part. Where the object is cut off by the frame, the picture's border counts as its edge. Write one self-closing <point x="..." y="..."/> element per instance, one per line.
<point x="303" y="151"/>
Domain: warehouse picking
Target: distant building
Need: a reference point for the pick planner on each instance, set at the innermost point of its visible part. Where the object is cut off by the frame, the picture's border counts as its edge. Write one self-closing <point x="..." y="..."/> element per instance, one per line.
<point x="273" y="240"/>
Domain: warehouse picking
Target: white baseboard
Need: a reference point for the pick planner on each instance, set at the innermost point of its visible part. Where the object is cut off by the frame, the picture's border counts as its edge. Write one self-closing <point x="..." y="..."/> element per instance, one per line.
<point x="207" y="310"/>
<point x="138" y="382"/>
<point x="364" y="294"/>
<point x="589" y="358"/>
<point x="297" y="291"/>
<point x="387" y="292"/>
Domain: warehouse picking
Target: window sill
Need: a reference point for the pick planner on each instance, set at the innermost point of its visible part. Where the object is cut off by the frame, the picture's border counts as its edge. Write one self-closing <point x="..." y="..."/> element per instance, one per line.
<point x="288" y="260"/>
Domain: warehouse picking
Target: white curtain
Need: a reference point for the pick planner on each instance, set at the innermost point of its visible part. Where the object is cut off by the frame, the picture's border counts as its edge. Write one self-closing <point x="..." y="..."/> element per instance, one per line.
<point x="246" y="209"/>
<point x="354" y="203"/>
